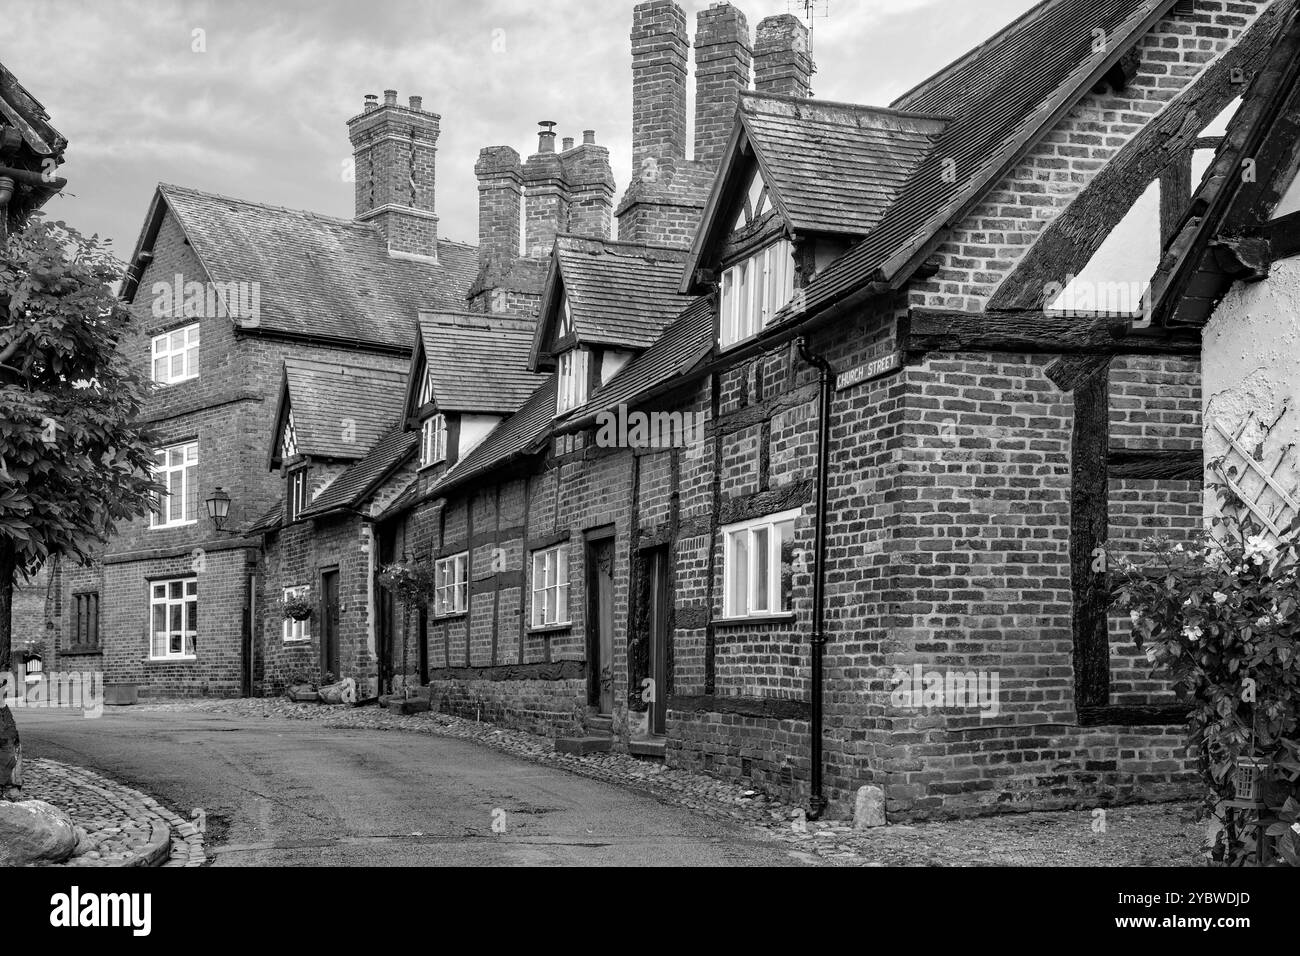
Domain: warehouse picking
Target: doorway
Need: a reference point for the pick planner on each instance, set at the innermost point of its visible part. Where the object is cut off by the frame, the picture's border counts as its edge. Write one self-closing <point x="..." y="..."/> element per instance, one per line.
<point x="329" y="608"/>
<point x="660" y="601"/>
<point x="600" y="616"/>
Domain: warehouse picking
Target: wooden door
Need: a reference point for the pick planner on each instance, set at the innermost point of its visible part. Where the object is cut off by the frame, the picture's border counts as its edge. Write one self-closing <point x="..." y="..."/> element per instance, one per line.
<point x="329" y="610"/>
<point x="660" y="602"/>
<point x="600" y="633"/>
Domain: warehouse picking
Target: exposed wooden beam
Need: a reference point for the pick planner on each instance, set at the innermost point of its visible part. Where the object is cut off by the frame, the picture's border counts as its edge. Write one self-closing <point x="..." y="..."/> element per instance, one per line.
<point x="1069" y="373"/>
<point x="1037" y="333"/>
<point x="1283" y="236"/>
<point x="1089" y="530"/>
<point x="1134" y="715"/>
<point x="1153" y="464"/>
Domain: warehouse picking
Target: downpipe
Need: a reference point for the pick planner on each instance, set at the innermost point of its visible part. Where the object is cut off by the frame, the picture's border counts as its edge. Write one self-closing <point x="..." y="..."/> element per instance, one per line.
<point x="817" y="801"/>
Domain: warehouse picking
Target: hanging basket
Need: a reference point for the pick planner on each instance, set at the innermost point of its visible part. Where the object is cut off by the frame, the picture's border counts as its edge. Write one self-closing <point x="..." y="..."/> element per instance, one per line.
<point x="297" y="608"/>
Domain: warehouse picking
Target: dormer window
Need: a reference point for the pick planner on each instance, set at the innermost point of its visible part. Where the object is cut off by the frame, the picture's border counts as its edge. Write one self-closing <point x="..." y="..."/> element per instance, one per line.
<point x="754" y="290"/>
<point x="575" y="372"/>
<point x="433" y="441"/>
<point x="299" y="493"/>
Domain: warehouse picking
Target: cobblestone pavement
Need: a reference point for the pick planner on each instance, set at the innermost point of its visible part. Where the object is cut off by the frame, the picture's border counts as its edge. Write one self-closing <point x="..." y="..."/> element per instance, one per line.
<point x="124" y="827"/>
<point x="1155" y="835"/>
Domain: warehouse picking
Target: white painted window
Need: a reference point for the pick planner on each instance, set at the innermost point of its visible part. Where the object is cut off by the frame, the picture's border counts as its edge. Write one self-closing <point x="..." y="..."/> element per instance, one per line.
<point x="433" y="441"/>
<point x="296" y="632"/>
<point x="551" y="587"/>
<point x="574" y="378"/>
<point x="174" y="616"/>
<point x="176" y="355"/>
<point x="757" y="564"/>
<point x="754" y="290"/>
<point x="451" y="585"/>
<point x="299" y="492"/>
<point x="176" y="468"/>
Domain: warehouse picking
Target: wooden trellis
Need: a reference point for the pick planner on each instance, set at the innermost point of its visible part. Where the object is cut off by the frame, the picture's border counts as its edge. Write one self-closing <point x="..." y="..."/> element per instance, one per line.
<point x="1256" y="483"/>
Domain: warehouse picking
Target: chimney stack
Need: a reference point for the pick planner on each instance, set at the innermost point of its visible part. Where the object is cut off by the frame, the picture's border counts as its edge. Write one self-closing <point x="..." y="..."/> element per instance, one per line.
<point x="722" y="71"/>
<point x="546" y="199"/>
<point x="590" y="181"/>
<point x="394" y="150"/>
<point x="500" y="194"/>
<point x="782" y="63"/>
<point x="659" y="66"/>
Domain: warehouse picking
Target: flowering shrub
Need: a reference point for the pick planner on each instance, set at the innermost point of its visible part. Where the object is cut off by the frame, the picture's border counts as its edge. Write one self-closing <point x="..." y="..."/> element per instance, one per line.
<point x="1220" y="620"/>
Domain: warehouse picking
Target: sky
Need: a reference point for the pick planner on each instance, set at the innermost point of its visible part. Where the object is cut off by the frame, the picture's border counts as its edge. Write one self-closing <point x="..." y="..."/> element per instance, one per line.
<point x="255" y="104"/>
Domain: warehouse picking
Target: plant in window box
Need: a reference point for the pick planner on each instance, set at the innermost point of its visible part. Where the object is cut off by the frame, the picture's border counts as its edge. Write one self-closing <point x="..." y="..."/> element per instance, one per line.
<point x="1220" y="620"/>
<point x="296" y="607"/>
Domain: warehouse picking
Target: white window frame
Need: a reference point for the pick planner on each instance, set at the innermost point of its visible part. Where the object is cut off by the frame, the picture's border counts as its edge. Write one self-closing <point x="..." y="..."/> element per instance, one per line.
<point x="575" y="379"/>
<point x="550" y="577"/>
<point x="757" y="592"/>
<point x="164" y="349"/>
<point x="451" y="585"/>
<point x="753" y="291"/>
<point x="433" y="441"/>
<point x="188" y="600"/>
<point x="299" y="492"/>
<point x="189" y="485"/>
<point x="291" y="631"/>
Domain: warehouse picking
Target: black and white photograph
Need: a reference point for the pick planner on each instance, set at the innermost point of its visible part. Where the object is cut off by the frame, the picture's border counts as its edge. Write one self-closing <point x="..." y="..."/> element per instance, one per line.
<point x="804" y="434"/>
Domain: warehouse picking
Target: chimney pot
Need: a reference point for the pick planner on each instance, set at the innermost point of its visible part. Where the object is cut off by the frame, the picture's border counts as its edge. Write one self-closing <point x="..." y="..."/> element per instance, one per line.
<point x="589" y="137"/>
<point x="568" y="143"/>
<point x="372" y="102"/>
<point x="390" y="97"/>
<point x="546" y="138"/>
<point x="417" y="102"/>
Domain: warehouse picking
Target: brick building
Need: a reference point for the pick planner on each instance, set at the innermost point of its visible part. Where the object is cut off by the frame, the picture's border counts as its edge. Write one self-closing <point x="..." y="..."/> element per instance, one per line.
<point x="225" y="292"/>
<point x="916" y="441"/>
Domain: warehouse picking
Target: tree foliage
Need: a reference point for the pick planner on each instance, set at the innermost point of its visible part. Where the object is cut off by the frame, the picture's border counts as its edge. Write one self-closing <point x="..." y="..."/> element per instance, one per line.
<point x="73" y="458"/>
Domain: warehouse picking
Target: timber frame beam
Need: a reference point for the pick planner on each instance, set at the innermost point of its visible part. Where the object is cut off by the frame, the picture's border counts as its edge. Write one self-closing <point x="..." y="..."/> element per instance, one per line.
<point x="1039" y="333"/>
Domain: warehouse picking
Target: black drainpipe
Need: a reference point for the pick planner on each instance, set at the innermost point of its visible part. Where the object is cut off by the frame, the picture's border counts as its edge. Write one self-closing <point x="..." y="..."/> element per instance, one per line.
<point x="817" y="802"/>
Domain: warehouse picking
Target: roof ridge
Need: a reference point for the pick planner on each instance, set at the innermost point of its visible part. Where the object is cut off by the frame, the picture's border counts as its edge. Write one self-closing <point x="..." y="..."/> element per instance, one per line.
<point x="299" y="360"/>
<point x="751" y="95"/>
<point x="265" y="205"/>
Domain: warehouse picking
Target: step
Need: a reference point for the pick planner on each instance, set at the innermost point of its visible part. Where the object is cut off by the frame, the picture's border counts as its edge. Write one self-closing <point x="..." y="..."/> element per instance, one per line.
<point x="597" y="744"/>
<point x="654" y="747"/>
<point x="600" y="725"/>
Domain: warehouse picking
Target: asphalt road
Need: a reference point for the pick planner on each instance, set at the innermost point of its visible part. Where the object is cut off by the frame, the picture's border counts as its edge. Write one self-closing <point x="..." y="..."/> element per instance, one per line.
<point x="288" y="793"/>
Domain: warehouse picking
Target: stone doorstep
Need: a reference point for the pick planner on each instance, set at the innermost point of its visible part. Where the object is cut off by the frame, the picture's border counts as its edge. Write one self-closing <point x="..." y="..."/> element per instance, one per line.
<point x="654" y="748"/>
<point x="597" y="744"/>
<point x="600" y="725"/>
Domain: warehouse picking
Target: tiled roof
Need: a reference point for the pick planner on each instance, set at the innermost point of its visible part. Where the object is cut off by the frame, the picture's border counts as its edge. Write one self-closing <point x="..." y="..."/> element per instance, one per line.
<point x="339" y="411"/>
<point x="620" y="293"/>
<point x="684" y="344"/>
<point x="269" y="520"/>
<point x="1001" y="97"/>
<point x="360" y="480"/>
<point x="835" y="167"/>
<point x="478" y="362"/>
<point x="317" y="275"/>
<point x="520" y="434"/>
<point x="24" y="112"/>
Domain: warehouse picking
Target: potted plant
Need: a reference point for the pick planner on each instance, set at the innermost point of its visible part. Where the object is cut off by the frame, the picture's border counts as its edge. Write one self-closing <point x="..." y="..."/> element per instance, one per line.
<point x="296" y="607"/>
<point x="300" y="688"/>
<point x="411" y="583"/>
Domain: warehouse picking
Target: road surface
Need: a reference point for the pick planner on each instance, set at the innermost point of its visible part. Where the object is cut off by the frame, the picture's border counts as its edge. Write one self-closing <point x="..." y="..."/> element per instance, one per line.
<point x="291" y="793"/>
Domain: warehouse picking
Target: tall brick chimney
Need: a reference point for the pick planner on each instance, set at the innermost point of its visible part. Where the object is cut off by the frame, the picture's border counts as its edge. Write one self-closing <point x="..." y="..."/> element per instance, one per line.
<point x="782" y="63"/>
<point x="722" y="71"/>
<point x="659" y="66"/>
<point x="500" y="196"/>
<point x="393" y="149"/>
<point x="546" y="199"/>
<point x="591" y="188"/>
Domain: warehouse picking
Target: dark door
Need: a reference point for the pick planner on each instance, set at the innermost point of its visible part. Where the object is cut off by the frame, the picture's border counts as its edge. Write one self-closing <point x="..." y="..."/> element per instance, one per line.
<point x="600" y="635"/>
<point x="660" y="602"/>
<point x="424" y="646"/>
<point x="385" y="613"/>
<point x="329" y="612"/>
<point x="246" y="638"/>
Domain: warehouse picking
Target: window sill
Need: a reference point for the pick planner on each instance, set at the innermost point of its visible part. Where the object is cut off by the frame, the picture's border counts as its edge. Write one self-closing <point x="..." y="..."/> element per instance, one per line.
<point x="176" y="381"/>
<point x="172" y="527"/>
<point x="178" y="659"/>
<point x="448" y="618"/>
<point x="81" y="650"/>
<point x="786" y="618"/>
<point x="545" y="629"/>
<point x="296" y="642"/>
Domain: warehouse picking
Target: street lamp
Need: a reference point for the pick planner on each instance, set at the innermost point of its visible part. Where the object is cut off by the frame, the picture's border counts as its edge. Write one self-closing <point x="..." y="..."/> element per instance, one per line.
<point x="218" y="505"/>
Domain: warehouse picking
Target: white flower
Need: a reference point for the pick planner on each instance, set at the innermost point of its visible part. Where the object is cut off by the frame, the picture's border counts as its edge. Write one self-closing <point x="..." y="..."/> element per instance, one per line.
<point x="1220" y="597"/>
<point x="1178" y="548"/>
<point x="1259" y="548"/>
<point x="1135" y="617"/>
<point x="1192" y="633"/>
<point x="1296" y="827"/>
<point x="1152" y="653"/>
<point x="1262" y="622"/>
